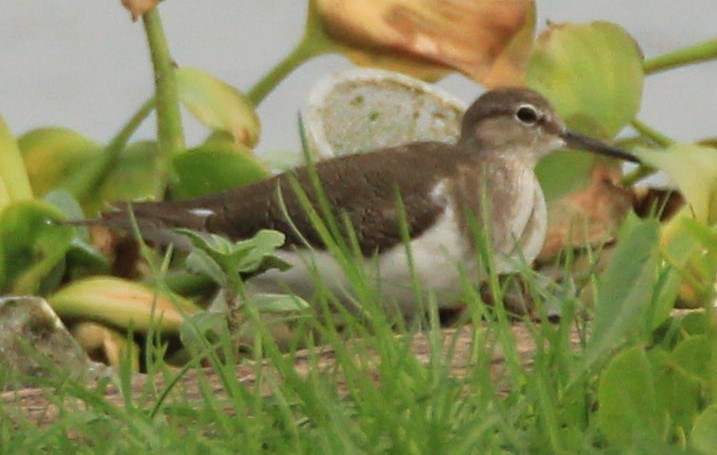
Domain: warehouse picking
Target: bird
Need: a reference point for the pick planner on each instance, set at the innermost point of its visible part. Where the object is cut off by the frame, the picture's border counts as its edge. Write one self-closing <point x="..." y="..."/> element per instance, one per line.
<point x="482" y="182"/>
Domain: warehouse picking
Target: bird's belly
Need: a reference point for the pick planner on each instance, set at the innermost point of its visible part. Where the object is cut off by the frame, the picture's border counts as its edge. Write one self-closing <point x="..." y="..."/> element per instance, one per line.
<point x="437" y="265"/>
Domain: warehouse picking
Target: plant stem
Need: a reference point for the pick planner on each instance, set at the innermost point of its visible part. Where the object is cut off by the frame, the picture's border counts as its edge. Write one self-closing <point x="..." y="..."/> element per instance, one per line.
<point x="652" y="134"/>
<point x="307" y="49"/>
<point x="86" y="184"/>
<point x="121" y="139"/>
<point x="686" y="56"/>
<point x="636" y="175"/>
<point x="169" y="119"/>
<point x="655" y="136"/>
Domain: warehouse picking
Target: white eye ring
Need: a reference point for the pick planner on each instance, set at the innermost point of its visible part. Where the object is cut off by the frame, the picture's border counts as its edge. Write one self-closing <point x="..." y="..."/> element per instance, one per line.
<point x="527" y="114"/>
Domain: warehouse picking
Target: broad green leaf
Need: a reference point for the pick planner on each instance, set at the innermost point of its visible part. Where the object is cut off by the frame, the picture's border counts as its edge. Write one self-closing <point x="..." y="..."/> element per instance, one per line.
<point x="693" y="168"/>
<point x="692" y="355"/>
<point x="213" y="168"/>
<point x="135" y="175"/>
<point x="629" y="412"/>
<point x="592" y="73"/>
<point x="53" y="154"/>
<point x="679" y="380"/>
<point x="218" y="105"/>
<point x="64" y="202"/>
<point x="703" y="437"/>
<point x="33" y="247"/>
<point x="82" y="258"/>
<point x="554" y="179"/>
<point x="121" y="303"/>
<point x="625" y="290"/>
<point x="15" y="183"/>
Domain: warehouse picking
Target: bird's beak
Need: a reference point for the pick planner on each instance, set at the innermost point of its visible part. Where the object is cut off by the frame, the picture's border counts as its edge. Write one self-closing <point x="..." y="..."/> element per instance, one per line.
<point x="578" y="141"/>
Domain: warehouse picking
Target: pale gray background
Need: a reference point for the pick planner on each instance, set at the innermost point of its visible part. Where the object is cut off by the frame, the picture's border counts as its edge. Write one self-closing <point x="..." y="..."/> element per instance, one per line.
<point x="83" y="64"/>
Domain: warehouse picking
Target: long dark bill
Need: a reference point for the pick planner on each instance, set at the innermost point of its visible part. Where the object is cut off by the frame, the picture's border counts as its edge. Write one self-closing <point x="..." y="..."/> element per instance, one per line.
<point x="581" y="142"/>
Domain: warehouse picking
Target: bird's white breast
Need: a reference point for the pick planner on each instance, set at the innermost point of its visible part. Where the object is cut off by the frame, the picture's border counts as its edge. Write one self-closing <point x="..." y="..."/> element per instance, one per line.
<point x="436" y="260"/>
<point x="440" y="259"/>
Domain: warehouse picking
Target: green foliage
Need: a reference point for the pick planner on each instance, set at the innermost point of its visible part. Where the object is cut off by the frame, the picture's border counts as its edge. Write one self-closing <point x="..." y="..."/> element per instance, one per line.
<point x="628" y="413"/>
<point x="660" y="394"/>
<point x="625" y="292"/>
<point x="67" y="150"/>
<point x="224" y="261"/>
<point x="593" y="75"/>
<point x="640" y="380"/>
<point x="32" y="247"/>
<point x="14" y="182"/>
<point x="214" y="167"/>
<point x="693" y="168"/>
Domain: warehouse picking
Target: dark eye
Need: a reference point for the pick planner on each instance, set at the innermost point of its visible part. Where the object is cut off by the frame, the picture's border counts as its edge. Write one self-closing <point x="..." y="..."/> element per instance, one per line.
<point x="527" y="114"/>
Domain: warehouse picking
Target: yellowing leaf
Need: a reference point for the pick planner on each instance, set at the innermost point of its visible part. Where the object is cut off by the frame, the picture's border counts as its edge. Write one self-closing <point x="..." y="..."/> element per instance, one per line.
<point x="15" y="183"/>
<point x="693" y="168"/>
<point x="121" y="303"/>
<point x="218" y="105"/>
<point x="487" y="40"/>
<point x="52" y="155"/>
<point x="105" y="344"/>
<point x="592" y="73"/>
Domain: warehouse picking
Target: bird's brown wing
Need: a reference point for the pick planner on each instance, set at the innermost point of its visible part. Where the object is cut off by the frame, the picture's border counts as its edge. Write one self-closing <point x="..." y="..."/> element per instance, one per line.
<point x="361" y="186"/>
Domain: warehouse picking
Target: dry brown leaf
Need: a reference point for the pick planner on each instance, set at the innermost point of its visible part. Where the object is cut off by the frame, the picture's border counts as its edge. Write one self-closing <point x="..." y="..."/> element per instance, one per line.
<point x="487" y="40"/>
<point x="591" y="216"/>
<point x="138" y="7"/>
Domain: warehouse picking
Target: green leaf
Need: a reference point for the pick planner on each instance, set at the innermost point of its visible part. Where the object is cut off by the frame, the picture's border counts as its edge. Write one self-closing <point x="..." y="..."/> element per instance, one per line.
<point x="693" y="168"/>
<point x="703" y="437"/>
<point x="629" y="412"/>
<point x="136" y="175"/>
<point x="691" y="356"/>
<point x="215" y="167"/>
<point x="53" y="154"/>
<point x="82" y="258"/>
<point x="32" y="247"/>
<point x="592" y="73"/>
<point x="199" y="261"/>
<point x="218" y="105"/>
<point x="554" y="179"/>
<point x="625" y="290"/>
<point x="679" y="379"/>
<point x="263" y="245"/>
<point x="224" y="261"/>
<point x="13" y="175"/>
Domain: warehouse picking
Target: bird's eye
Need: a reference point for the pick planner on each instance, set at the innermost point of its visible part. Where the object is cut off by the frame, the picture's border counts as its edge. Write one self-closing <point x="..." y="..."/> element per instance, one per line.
<point x="527" y="114"/>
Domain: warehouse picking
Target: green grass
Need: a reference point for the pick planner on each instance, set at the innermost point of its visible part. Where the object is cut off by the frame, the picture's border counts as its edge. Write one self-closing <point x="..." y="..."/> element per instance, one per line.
<point x="638" y="383"/>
